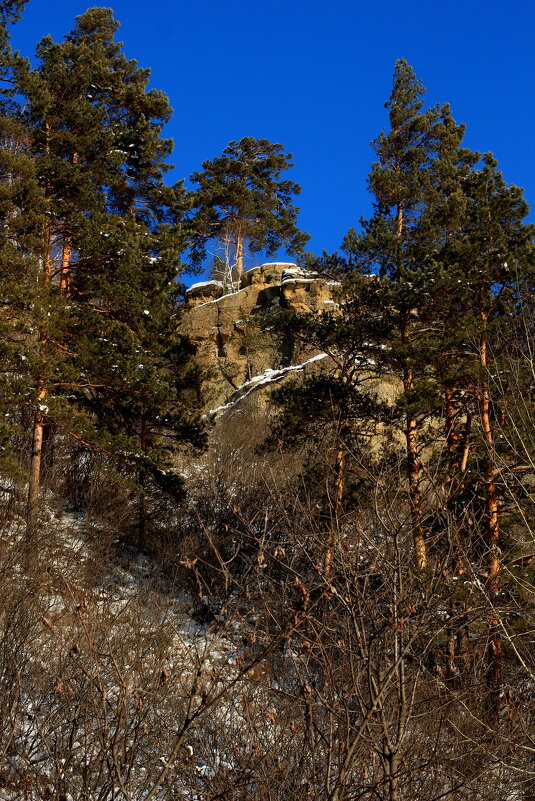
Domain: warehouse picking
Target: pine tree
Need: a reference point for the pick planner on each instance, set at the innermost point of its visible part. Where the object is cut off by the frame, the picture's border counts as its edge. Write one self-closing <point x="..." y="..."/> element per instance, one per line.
<point x="454" y="254"/>
<point x="486" y="278"/>
<point x="21" y="220"/>
<point x="416" y="158"/>
<point x="243" y="203"/>
<point x="109" y="250"/>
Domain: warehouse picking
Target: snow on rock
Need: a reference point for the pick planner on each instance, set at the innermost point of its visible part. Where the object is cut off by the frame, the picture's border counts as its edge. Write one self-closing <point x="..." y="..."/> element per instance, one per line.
<point x="289" y="264"/>
<point x="199" y="284"/>
<point x="204" y="291"/>
<point x="297" y="274"/>
<point x="269" y="376"/>
<point x="217" y="299"/>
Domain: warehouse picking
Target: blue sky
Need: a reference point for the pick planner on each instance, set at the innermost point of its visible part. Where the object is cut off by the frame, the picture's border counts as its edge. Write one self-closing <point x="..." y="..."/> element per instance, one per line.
<point x="314" y="75"/>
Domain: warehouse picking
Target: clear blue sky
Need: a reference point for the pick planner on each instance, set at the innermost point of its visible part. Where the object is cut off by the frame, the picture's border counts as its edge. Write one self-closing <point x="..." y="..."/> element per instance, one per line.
<point x="314" y="75"/>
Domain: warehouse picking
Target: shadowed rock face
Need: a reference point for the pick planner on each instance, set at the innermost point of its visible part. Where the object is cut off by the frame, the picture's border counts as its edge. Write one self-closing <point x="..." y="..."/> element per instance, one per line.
<point x="231" y="348"/>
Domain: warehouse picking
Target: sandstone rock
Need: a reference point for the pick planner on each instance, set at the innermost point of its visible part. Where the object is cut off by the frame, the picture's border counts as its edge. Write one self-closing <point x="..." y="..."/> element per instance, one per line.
<point x="231" y="349"/>
<point x="203" y="291"/>
<point x="305" y="292"/>
<point x="270" y="273"/>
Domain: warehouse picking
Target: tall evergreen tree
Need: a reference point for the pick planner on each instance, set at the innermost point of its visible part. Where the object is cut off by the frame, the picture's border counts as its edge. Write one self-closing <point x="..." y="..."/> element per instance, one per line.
<point x="243" y="203"/>
<point x="22" y="218"/>
<point x="109" y="248"/>
<point x="454" y="253"/>
<point x="486" y="275"/>
<point x="416" y="158"/>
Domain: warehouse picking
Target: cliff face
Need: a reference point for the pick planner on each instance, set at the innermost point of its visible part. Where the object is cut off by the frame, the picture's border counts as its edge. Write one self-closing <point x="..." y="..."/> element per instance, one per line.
<point x="234" y="353"/>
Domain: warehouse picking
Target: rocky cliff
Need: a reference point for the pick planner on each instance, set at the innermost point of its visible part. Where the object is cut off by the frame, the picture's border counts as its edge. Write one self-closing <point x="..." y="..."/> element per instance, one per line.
<point x="236" y="354"/>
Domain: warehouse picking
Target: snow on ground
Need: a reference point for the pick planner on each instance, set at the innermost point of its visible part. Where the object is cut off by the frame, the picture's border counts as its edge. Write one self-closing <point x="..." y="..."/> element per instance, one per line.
<point x="122" y="599"/>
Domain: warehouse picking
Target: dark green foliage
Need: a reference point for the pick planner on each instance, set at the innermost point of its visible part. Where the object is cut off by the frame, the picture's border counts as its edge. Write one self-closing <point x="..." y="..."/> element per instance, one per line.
<point x="441" y="272"/>
<point x="242" y="199"/>
<point x="10" y="10"/>
<point x="22" y="209"/>
<point x="90" y="249"/>
<point x="96" y="131"/>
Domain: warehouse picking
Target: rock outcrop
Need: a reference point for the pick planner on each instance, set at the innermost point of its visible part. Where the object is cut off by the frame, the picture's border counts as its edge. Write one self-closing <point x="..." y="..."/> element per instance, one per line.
<point x="204" y="292"/>
<point x="232" y="350"/>
<point x="304" y="292"/>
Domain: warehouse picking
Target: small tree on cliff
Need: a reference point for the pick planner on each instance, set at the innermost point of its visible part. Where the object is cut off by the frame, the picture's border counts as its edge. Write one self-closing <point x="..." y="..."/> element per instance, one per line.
<point x="243" y="204"/>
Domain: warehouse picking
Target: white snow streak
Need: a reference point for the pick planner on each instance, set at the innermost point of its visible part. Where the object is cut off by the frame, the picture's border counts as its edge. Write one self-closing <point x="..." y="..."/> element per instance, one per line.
<point x="216" y="300"/>
<point x="267" y="377"/>
<point x="203" y="283"/>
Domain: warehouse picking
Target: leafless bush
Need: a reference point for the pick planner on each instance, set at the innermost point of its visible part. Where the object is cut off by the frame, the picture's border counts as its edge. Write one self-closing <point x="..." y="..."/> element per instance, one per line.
<point x="233" y="660"/>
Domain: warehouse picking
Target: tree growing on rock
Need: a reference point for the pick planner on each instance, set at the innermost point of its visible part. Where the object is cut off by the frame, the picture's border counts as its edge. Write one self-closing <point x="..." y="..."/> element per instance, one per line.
<point x="243" y="203"/>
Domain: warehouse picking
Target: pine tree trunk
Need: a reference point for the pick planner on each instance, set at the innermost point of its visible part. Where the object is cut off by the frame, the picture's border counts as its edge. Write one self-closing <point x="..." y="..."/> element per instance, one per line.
<point x="34" y="482"/>
<point x="452" y="433"/>
<point x="339" y="473"/>
<point x="414" y="470"/>
<point x="491" y="474"/>
<point x="65" y="275"/>
<point x="47" y="256"/>
<point x="414" y="465"/>
<point x="66" y="257"/>
<point x="399" y="222"/>
<point x="466" y="442"/>
<point x="340" y="464"/>
<point x="457" y="449"/>
<point x="495" y="645"/>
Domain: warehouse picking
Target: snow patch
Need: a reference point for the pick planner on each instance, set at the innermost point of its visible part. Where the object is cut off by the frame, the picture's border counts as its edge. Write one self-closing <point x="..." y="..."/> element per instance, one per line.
<point x="267" y="377"/>
<point x="203" y="283"/>
<point x="216" y="300"/>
